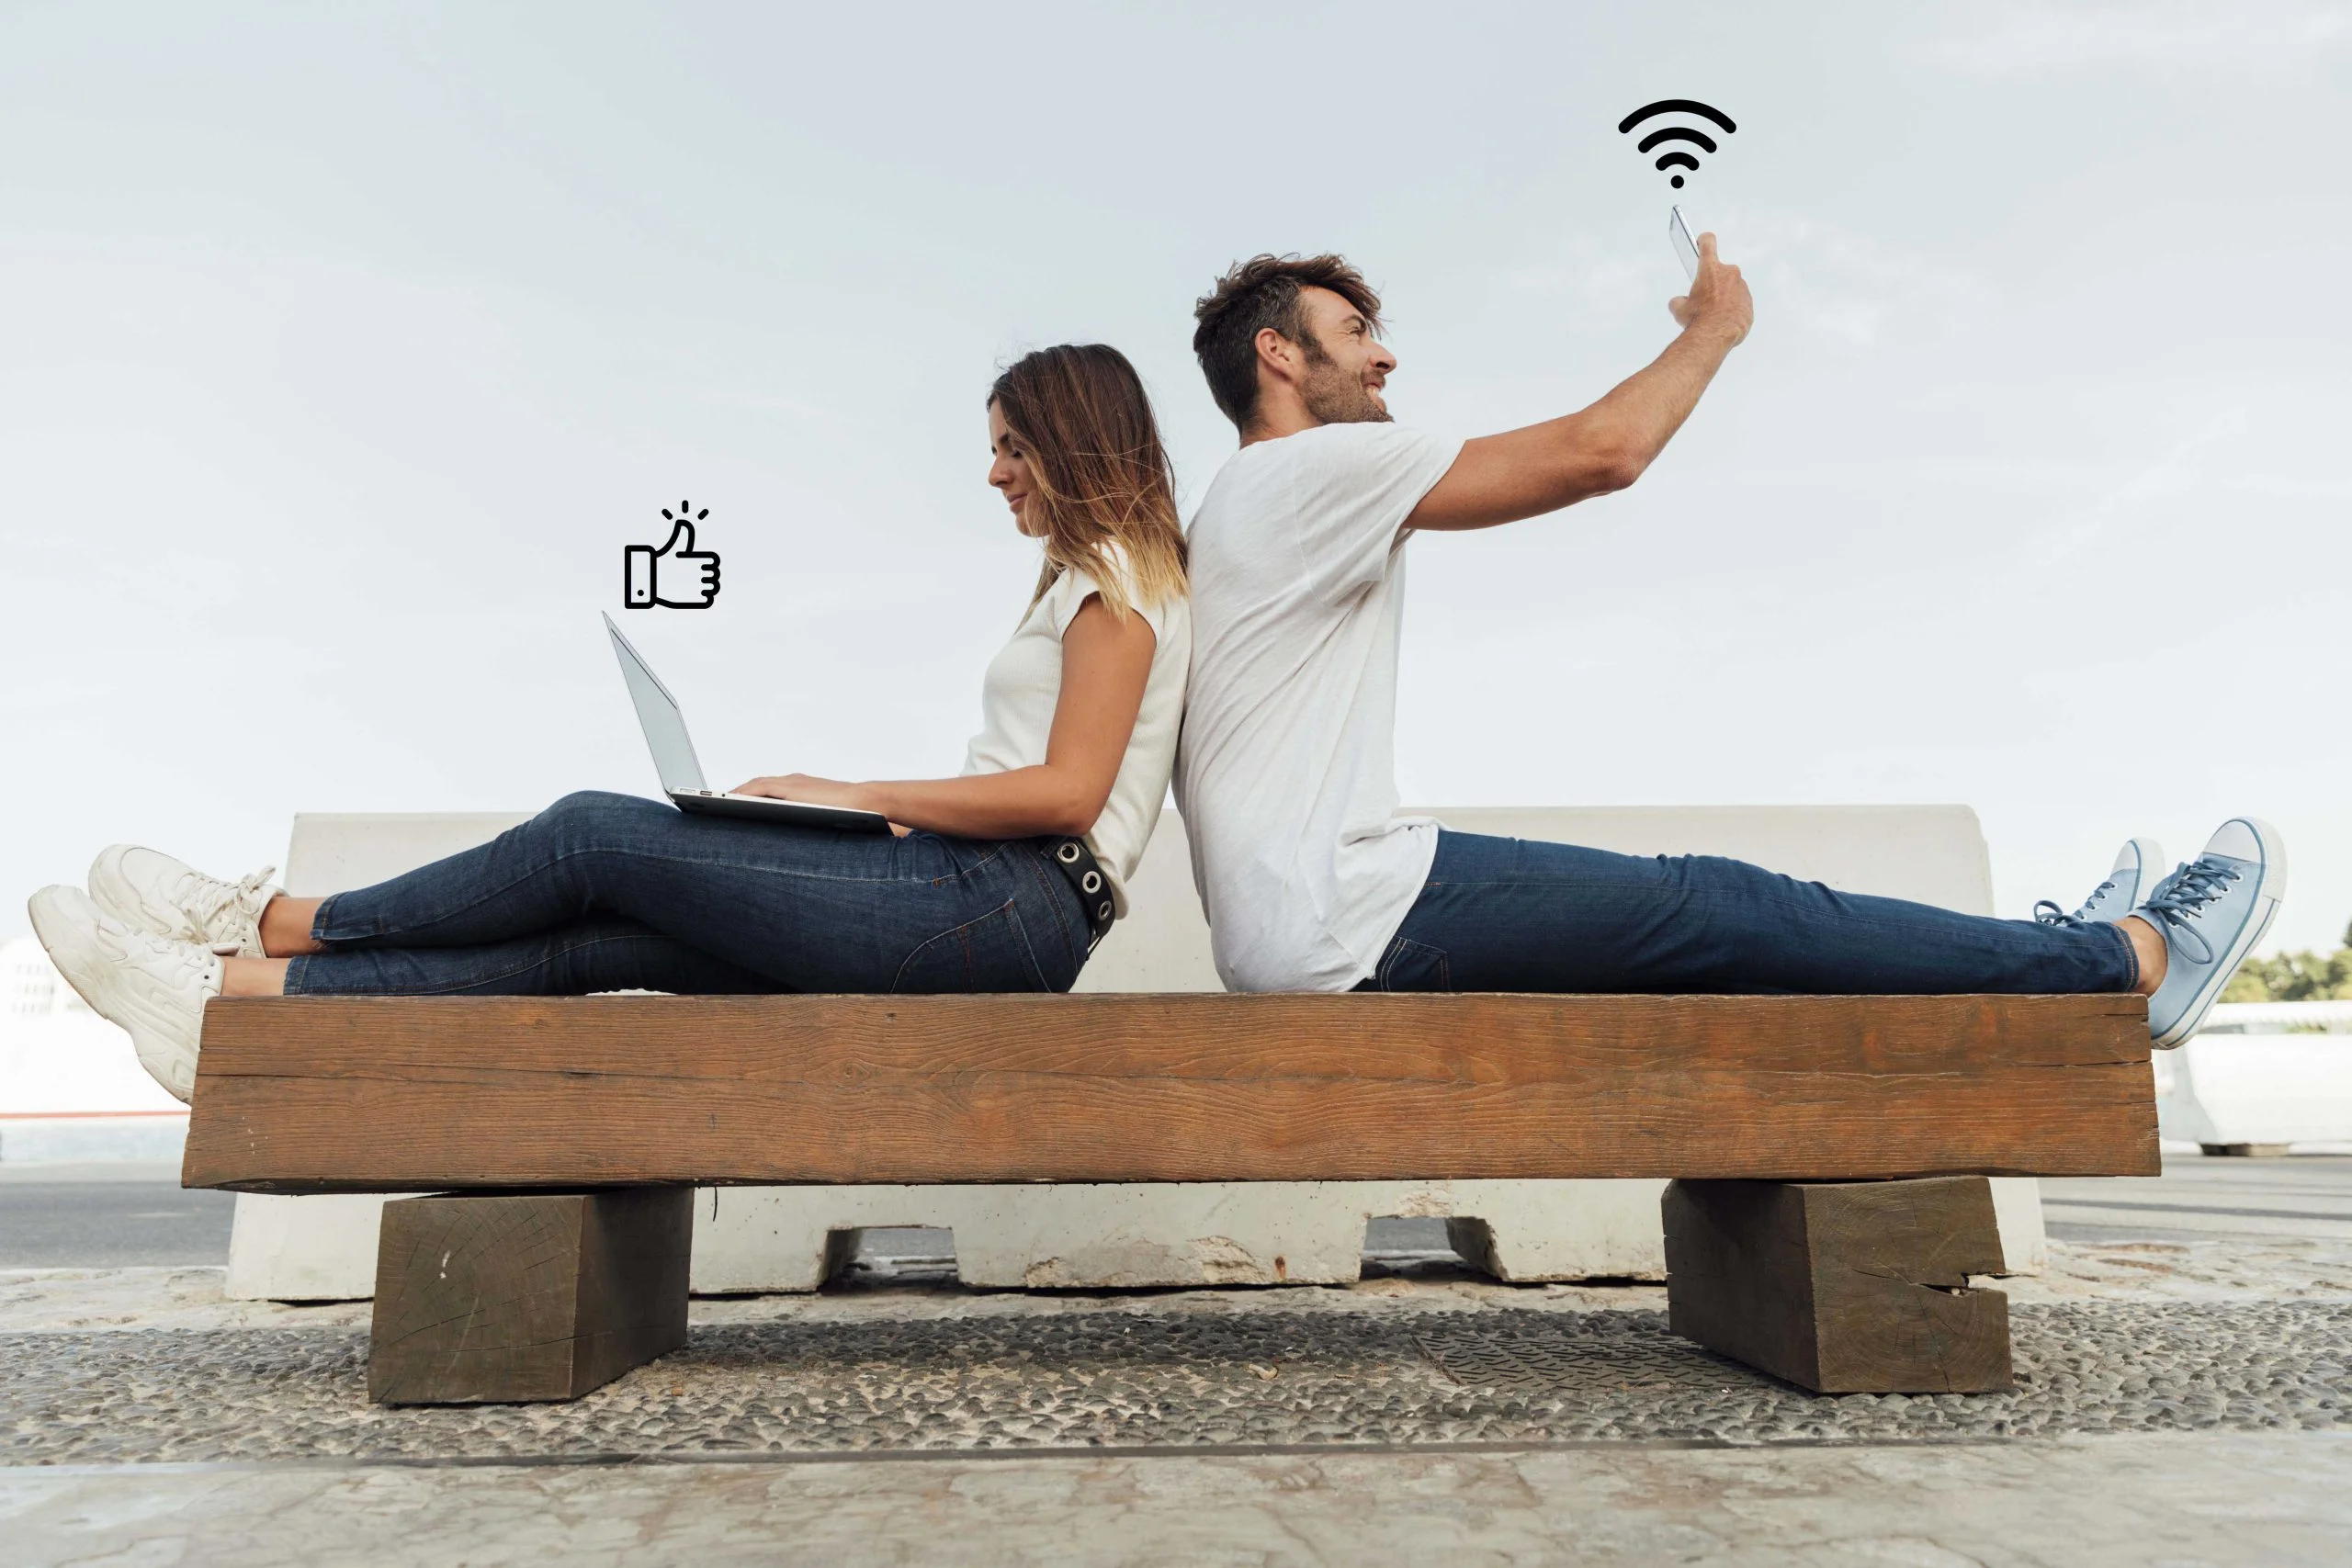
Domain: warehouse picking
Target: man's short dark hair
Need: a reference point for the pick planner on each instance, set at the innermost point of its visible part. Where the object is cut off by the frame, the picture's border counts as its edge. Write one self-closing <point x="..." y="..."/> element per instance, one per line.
<point x="1259" y="293"/>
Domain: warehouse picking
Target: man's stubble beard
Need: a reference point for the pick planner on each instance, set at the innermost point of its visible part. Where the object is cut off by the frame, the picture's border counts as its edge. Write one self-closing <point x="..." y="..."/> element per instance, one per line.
<point x="1334" y="397"/>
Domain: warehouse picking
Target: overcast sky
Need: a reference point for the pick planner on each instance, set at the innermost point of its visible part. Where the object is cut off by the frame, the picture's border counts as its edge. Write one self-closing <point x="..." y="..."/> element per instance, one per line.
<point x="342" y="348"/>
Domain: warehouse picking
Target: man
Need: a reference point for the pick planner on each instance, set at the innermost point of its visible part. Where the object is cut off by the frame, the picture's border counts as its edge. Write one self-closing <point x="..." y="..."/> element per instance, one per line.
<point x="1286" y="773"/>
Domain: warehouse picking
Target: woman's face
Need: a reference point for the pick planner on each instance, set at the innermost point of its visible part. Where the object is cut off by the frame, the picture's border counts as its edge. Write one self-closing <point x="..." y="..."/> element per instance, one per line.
<point x="1009" y="469"/>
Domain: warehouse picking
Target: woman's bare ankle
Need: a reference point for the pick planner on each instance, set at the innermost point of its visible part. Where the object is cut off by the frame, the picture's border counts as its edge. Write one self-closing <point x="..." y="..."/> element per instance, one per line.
<point x="286" y="926"/>
<point x="252" y="976"/>
<point x="2148" y="944"/>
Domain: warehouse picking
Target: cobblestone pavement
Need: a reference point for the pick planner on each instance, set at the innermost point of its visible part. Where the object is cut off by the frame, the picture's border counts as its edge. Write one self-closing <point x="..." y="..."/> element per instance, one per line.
<point x="1128" y="1376"/>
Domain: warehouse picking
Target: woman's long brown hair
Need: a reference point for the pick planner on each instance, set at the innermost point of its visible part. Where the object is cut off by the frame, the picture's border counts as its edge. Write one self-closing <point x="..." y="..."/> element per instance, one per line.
<point x="1105" y="498"/>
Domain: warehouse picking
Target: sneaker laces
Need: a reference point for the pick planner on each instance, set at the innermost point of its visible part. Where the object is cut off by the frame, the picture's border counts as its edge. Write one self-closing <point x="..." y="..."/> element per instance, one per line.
<point x="2049" y="913"/>
<point x="2180" y="898"/>
<point x="225" y="896"/>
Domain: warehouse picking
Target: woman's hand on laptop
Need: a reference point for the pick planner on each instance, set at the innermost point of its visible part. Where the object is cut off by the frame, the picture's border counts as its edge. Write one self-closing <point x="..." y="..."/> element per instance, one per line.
<point x="807" y="787"/>
<point x="814" y="791"/>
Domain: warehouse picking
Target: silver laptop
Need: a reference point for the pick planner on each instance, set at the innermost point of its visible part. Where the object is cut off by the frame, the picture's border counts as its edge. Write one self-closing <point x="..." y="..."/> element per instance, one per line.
<point x="681" y="780"/>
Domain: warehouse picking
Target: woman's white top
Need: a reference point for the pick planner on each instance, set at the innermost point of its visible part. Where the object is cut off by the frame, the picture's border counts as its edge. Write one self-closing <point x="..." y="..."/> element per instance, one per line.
<point x="1025" y="685"/>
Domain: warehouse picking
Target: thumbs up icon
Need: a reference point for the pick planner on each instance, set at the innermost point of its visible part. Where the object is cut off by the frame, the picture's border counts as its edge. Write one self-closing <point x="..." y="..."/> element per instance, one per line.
<point x="677" y="576"/>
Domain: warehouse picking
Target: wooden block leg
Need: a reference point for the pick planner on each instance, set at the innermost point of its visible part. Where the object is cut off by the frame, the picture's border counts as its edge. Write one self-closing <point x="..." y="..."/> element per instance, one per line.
<point x="491" y="1300"/>
<point x="1842" y="1286"/>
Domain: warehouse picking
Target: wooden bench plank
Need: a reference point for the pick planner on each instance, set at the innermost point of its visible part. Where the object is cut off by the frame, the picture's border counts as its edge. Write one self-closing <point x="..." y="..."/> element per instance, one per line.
<point x="413" y="1094"/>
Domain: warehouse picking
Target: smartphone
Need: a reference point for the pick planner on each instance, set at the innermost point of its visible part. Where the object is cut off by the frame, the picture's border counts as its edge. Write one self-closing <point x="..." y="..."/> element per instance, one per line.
<point x="1684" y="245"/>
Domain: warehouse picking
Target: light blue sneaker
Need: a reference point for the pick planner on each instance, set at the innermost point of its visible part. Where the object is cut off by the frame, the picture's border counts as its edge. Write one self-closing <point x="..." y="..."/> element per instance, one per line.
<point x="2133" y="878"/>
<point x="2212" y="911"/>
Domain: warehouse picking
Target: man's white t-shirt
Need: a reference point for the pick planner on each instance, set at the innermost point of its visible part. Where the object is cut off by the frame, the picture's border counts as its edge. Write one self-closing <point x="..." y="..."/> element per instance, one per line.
<point x="1023" y="687"/>
<point x="1286" y="773"/>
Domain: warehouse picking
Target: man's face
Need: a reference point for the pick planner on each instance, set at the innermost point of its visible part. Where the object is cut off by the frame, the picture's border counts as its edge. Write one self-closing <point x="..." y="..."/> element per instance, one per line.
<point x="1346" y="365"/>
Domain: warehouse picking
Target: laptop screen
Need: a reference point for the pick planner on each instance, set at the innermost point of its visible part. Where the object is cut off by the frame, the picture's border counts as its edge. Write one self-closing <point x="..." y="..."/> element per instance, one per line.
<point x="657" y="711"/>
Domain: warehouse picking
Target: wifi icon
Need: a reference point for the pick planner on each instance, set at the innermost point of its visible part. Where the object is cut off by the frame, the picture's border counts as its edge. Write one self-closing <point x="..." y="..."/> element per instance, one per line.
<point x="1666" y="133"/>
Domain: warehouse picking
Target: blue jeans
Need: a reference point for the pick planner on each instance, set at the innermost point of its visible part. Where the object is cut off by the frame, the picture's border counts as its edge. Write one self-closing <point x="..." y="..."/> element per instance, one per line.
<point x="610" y="892"/>
<point x="1516" y="915"/>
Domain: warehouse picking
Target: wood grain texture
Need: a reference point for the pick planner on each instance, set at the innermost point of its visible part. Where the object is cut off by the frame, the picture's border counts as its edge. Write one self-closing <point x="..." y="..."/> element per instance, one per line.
<point x="1842" y="1288"/>
<point x="495" y="1299"/>
<point x="403" y="1094"/>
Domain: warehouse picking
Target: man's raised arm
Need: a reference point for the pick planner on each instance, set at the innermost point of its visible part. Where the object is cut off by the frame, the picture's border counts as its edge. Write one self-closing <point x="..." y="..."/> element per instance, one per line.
<point x="1525" y="473"/>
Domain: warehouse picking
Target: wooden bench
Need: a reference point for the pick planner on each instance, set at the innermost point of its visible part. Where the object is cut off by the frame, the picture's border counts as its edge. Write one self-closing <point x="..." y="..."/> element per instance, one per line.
<point x="1828" y="1154"/>
<point x="1098" y="1236"/>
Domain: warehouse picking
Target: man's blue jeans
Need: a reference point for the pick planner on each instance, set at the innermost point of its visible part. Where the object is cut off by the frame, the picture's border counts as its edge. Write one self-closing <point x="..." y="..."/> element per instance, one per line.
<point x="610" y="892"/>
<point x="1518" y="915"/>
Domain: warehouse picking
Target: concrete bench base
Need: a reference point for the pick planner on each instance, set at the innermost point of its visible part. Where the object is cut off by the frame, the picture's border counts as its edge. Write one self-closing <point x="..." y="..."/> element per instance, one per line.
<point x="1117" y="1236"/>
<point x="753" y="1240"/>
<point x="758" y="1240"/>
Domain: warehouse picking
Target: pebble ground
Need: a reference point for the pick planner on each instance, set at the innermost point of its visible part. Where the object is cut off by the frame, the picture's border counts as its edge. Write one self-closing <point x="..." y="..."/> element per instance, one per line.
<point x="1352" y="1371"/>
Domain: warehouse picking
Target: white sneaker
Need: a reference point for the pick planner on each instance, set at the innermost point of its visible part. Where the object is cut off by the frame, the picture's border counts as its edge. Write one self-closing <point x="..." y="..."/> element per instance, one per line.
<point x="2126" y="888"/>
<point x="148" y="890"/>
<point x="154" y="987"/>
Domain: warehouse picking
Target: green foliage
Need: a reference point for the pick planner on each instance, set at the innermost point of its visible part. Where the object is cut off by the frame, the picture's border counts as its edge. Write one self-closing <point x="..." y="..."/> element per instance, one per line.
<point x="2295" y="978"/>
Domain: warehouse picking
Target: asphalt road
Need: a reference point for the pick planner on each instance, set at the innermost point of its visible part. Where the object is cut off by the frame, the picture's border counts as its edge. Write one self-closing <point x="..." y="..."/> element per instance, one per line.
<point x="110" y="1215"/>
<point x="2206" y="1199"/>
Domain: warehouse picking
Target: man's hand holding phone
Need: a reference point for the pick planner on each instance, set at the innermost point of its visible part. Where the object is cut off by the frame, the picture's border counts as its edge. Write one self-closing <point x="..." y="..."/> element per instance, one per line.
<point x="1718" y="299"/>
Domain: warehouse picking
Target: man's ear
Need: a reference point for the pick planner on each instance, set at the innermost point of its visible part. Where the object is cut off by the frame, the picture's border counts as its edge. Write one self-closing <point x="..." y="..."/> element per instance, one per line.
<point x="1277" y="355"/>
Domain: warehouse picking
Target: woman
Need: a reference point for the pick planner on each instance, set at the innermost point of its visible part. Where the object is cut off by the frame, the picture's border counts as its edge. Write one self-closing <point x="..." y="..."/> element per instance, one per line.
<point x="1001" y="879"/>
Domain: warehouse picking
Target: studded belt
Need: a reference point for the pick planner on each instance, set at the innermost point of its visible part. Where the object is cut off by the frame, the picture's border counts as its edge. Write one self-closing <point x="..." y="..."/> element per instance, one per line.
<point x="1085" y="874"/>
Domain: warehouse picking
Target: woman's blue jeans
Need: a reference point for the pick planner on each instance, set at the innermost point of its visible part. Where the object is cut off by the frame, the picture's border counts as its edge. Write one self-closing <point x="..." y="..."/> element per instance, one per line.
<point x="1519" y="915"/>
<point x="610" y="892"/>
